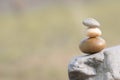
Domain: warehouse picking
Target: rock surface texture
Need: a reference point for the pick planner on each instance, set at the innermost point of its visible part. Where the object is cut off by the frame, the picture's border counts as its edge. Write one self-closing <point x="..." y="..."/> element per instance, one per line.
<point x="104" y="65"/>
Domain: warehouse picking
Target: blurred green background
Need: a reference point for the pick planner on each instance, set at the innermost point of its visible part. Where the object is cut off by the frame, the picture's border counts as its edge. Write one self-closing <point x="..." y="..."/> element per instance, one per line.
<point x="38" y="38"/>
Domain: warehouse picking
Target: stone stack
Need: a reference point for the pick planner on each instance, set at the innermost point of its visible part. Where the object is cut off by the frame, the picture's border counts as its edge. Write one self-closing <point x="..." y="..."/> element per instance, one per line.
<point x="93" y="43"/>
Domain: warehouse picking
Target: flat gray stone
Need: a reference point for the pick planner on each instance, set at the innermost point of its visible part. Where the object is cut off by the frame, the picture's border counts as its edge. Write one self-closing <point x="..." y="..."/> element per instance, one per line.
<point x="104" y="65"/>
<point x="91" y="22"/>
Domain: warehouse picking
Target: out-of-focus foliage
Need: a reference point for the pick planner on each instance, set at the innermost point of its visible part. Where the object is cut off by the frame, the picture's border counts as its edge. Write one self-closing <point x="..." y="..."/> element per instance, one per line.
<point x="39" y="37"/>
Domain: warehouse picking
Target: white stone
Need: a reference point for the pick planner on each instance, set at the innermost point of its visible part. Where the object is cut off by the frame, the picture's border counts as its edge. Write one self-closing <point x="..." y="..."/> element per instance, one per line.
<point x="90" y="22"/>
<point x="93" y="32"/>
<point x="104" y="65"/>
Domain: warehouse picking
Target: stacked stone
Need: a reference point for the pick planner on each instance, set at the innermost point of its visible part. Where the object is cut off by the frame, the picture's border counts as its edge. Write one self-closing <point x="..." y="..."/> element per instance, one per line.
<point x="93" y="43"/>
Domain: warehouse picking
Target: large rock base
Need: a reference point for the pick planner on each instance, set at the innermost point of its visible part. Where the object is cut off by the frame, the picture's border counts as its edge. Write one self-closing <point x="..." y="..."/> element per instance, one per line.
<point x="104" y="65"/>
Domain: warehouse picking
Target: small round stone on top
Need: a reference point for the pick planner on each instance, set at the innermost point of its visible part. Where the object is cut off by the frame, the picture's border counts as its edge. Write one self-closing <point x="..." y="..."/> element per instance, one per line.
<point x="91" y="23"/>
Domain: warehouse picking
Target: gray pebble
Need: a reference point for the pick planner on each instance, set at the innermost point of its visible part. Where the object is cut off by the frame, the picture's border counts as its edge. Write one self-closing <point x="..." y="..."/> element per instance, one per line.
<point x="91" y="22"/>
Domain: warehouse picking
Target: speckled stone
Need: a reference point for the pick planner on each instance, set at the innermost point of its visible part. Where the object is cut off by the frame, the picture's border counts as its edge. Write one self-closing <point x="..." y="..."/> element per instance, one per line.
<point x="90" y="22"/>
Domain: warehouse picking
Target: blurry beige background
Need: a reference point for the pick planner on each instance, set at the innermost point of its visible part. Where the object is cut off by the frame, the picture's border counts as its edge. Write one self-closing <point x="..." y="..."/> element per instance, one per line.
<point x="39" y="37"/>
